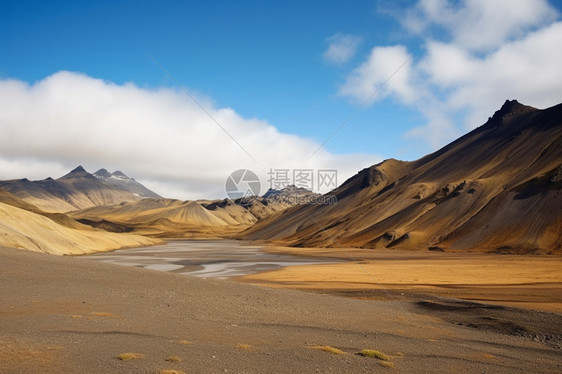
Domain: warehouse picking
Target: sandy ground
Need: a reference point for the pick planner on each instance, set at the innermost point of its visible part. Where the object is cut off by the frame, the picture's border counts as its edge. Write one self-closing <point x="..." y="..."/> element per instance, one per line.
<point x="533" y="282"/>
<point x="70" y="315"/>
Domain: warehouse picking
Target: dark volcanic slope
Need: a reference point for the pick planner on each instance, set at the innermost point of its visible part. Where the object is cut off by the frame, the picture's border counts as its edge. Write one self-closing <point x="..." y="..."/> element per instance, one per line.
<point x="498" y="188"/>
<point x="77" y="190"/>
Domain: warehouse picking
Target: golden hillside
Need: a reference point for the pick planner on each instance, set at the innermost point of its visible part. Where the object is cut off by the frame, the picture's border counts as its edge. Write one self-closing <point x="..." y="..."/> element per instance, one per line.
<point x="23" y="225"/>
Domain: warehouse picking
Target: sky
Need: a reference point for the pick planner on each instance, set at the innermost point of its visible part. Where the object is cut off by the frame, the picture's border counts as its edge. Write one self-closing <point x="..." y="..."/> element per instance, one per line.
<point x="179" y="94"/>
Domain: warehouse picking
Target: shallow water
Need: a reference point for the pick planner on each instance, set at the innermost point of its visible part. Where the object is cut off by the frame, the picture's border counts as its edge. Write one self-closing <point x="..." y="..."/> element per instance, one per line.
<point x="204" y="258"/>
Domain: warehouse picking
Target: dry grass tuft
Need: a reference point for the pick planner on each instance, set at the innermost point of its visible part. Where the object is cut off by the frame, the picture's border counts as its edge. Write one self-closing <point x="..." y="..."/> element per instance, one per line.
<point x="129" y="356"/>
<point x="327" y="348"/>
<point x="101" y="314"/>
<point x="174" y="359"/>
<point x="246" y="347"/>
<point x="386" y="364"/>
<point x="374" y="354"/>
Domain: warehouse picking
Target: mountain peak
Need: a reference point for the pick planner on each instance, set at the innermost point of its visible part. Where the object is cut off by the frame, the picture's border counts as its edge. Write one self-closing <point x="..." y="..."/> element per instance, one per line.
<point x="79" y="169"/>
<point x="514" y="107"/>
<point x="511" y="109"/>
<point x="287" y="191"/>
<point x="102" y="173"/>
<point x="77" y="172"/>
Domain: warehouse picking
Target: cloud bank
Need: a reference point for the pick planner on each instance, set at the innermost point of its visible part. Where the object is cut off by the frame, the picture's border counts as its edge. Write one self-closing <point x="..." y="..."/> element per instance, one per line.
<point x="475" y="55"/>
<point x="158" y="136"/>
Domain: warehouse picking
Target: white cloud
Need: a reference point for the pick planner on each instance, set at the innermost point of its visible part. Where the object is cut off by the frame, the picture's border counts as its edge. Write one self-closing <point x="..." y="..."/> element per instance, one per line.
<point x="387" y="69"/>
<point x="477" y="54"/>
<point x="159" y="136"/>
<point x="20" y="167"/>
<point x="341" y="48"/>
<point x="527" y="70"/>
<point x="448" y="65"/>
<point x="480" y="24"/>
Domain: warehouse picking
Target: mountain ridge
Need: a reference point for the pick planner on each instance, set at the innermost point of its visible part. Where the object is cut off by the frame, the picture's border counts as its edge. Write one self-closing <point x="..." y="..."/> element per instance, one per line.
<point x="201" y="218"/>
<point x="457" y="198"/>
<point x="77" y="189"/>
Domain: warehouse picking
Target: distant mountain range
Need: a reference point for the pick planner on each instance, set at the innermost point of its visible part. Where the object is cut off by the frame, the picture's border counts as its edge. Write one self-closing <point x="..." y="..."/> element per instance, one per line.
<point x="498" y="188"/>
<point x="104" y="211"/>
<point x="78" y="190"/>
<point x="201" y="218"/>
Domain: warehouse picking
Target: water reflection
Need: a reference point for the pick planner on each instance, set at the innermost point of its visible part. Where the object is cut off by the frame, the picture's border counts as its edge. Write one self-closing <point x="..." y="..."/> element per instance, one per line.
<point x="204" y="258"/>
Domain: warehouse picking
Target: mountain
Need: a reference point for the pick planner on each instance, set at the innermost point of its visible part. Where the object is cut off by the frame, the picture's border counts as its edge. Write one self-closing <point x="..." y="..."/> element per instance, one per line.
<point x="201" y="218"/>
<point x="28" y="227"/>
<point x="77" y="190"/>
<point x="496" y="189"/>
<point x="121" y="181"/>
<point x="289" y="191"/>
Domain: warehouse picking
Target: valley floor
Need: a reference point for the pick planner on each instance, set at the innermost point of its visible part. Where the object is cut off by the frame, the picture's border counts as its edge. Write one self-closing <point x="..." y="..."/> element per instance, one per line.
<point x="526" y="281"/>
<point x="68" y="314"/>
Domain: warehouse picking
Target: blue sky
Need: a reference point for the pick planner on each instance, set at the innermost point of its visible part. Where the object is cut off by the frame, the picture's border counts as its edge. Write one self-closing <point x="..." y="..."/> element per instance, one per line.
<point x="264" y="59"/>
<point x="269" y="62"/>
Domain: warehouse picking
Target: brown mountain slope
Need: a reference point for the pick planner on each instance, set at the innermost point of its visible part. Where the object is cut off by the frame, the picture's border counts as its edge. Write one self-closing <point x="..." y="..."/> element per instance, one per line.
<point x="175" y="218"/>
<point x="77" y="190"/>
<point x="194" y="213"/>
<point x="23" y="225"/>
<point x="498" y="188"/>
<point x="48" y="194"/>
<point x="59" y="218"/>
